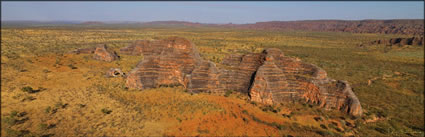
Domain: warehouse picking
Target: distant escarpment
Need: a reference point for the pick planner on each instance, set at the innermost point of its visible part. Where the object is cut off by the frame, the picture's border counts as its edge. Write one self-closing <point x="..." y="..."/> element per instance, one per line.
<point x="411" y="27"/>
<point x="268" y="77"/>
<point x="395" y="26"/>
<point x="415" y="41"/>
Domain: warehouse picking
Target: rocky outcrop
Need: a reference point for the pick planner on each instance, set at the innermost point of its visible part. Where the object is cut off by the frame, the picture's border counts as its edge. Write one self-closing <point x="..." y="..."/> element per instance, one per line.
<point x="268" y="77"/>
<point x="115" y="72"/>
<point x="282" y="79"/>
<point x="166" y="62"/>
<point x="240" y="70"/>
<point x="204" y="78"/>
<point x="102" y="53"/>
<point x="99" y="52"/>
<point x="415" y="41"/>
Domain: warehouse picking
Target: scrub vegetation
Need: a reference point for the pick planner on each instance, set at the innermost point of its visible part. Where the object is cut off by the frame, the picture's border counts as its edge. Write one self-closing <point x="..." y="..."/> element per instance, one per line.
<point x="45" y="91"/>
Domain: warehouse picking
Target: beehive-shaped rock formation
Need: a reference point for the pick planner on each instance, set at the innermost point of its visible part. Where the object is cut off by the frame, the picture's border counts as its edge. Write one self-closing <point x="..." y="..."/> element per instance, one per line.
<point x="100" y="52"/>
<point x="166" y="62"/>
<point x="268" y="77"/>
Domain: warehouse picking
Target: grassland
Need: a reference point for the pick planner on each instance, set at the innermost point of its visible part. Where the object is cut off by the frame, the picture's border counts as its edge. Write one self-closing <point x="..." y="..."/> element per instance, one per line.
<point x="72" y="96"/>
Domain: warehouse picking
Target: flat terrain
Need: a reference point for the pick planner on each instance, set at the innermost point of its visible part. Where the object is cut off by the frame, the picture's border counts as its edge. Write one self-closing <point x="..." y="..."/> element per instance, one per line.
<point x="73" y="97"/>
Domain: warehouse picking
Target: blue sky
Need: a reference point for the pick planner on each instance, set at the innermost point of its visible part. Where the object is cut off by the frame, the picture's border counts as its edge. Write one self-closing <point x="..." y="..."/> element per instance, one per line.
<point x="209" y="12"/>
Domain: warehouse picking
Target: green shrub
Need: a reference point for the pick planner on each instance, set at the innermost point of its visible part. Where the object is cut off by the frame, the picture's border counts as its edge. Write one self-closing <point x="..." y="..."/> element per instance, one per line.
<point x="228" y="92"/>
<point x="381" y="130"/>
<point x="82" y="105"/>
<point x="43" y="126"/>
<point x="253" y="103"/>
<point x="60" y="105"/>
<point x="14" y="113"/>
<point x="15" y="133"/>
<point x="106" y="111"/>
<point x="48" y="109"/>
<point x="28" y="89"/>
<point x="29" y="98"/>
<point x="72" y="66"/>
<point x="9" y="120"/>
<point x="323" y="126"/>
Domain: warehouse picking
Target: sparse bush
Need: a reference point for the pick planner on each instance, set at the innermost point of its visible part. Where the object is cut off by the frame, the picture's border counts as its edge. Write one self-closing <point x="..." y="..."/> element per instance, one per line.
<point x="72" y="66"/>
<point x="270" y="108"/>
<point x="60" y="105"/>
<point x="332" y="125"/>
<point x="278" y="126"/>
<point x="228" y="92"/>
<point x="253" y="103"/>
<point x="28" y="89"/>
<point x="14" y="113"/>
<point x="82" y="105"/>
<point x="245" y="120"/>
<point x="323" y="126"/>
<point x="18" y="133"/>
<point x="46" y="71"/>
<point x="324" y="133"/>
<point x="286" y="115"/>
<point x="43" y="126"/>
<point x="106" y="111"/>
<point x="28" y="98"/>
<point x="9" y="120"/>
<point x="48" y="109"/>
<point x="381" y="130"/>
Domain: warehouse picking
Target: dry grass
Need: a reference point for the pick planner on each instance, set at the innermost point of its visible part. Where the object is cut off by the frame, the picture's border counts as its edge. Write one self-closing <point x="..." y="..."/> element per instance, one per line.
<point x="82" y="102"/>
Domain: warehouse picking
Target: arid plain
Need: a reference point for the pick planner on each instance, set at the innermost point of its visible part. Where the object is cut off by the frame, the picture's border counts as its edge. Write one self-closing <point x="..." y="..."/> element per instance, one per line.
<point x="48" y="91"/>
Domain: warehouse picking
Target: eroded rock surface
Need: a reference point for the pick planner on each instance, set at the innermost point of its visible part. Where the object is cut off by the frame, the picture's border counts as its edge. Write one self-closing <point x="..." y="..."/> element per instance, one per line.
<point x="240" y="71"/>
<point x="282" y="79"/>
<point x="102" y="53"/>
<point x="166" y="62"/>
<point x="268" y="77"/>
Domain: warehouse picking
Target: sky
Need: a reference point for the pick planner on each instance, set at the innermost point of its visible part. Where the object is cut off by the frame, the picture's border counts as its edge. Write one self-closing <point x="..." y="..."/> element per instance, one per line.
<point x="209" y="12"/>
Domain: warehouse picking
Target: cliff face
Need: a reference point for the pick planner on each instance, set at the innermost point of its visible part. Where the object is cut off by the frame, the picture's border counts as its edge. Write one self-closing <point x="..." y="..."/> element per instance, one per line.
<point x="268" y="77"/>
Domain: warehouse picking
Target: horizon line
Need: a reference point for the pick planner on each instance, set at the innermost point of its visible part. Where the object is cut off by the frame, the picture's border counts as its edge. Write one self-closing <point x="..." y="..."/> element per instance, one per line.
<point x="81" y="21"/>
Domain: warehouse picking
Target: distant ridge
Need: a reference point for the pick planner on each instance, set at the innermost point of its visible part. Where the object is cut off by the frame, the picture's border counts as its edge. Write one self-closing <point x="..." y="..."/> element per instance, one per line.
<point x="393" y="26"/>
<point x="92" y="23"/>
<point x="30" y="22"/>
<point x="400" y="26"/>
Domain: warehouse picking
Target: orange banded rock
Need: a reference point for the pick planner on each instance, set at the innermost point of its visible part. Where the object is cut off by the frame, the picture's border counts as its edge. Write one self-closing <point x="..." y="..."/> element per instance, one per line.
<point x="282" y="79"/>
<point x="100" y="52"/>
<point x="268" y="77"/>
<point x="166" y="62"/>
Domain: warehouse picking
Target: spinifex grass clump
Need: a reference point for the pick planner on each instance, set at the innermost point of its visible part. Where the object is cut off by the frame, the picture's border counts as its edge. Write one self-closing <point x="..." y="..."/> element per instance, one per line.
<point x="28" y="89"/>
<point x="106" y="111"/>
